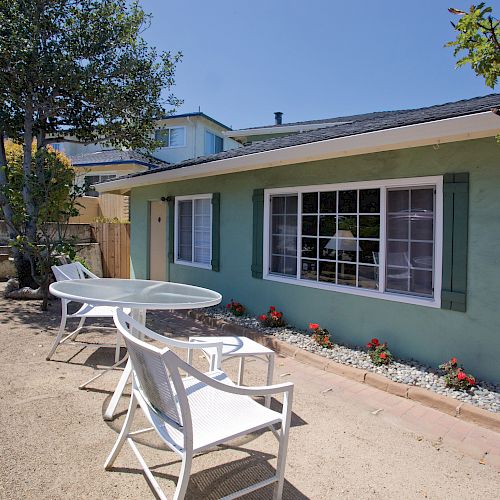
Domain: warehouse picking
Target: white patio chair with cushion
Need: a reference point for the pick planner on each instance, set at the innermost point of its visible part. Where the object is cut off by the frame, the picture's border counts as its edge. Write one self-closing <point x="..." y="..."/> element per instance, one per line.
<point x="75" y="271"/>
<point x="195" y="413"/>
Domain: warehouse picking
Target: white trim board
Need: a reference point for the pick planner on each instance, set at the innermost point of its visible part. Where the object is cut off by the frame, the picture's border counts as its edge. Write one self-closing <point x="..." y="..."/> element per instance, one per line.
<point x="476" y="126"/>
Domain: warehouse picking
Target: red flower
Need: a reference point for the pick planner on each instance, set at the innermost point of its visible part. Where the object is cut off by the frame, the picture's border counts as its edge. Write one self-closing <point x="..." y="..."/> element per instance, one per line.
<point x="369" y="345"/>
<point x="453" y="361"/>
<point x="383" y="355"/>
<point x="263" y="317"/>
<point x="461" y="376"/>
<point x="272" y="308"/>
<point x="279" y="314"/>
<point x="313" y="326"/>
<point x="229" y="306"/>
<point x="471" y="380"/>
<point x="375" y="341"/>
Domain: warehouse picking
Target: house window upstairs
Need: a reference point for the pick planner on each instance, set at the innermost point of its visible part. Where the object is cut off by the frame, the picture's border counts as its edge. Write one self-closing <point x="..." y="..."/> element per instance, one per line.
<point x="173" y="137"/>
<point x="213" y="143"/>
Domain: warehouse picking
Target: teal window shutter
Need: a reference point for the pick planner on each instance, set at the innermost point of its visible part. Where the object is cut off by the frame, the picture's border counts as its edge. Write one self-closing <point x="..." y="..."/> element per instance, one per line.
<point x="258" y="224"/>
<point x="171" y="227"/>
<point x="455" y="240"/>
<point x="215" y="231"/>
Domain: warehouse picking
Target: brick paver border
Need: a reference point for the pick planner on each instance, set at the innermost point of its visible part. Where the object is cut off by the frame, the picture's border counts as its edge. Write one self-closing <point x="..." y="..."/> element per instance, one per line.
<point x="458" y="409"/>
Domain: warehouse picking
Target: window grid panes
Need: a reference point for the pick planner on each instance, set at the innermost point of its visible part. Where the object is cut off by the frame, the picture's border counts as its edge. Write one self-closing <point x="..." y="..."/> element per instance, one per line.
<point x="194" y="230"/>
<point x="410" y="241"/>
<point x="342" y="237"/>
<point x="283" y="258"/>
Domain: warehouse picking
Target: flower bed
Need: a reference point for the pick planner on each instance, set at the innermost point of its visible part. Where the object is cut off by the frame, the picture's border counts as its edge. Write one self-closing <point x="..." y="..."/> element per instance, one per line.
<point x="483" y="394"/>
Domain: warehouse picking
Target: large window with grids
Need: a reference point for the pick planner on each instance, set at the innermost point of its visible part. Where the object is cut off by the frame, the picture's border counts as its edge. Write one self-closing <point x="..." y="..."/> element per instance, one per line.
<point x="193" y="230"/>
<point x="375" y="238"/>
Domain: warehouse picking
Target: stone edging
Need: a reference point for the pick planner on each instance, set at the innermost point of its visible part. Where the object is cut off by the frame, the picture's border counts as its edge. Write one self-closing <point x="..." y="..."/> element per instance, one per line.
<point x="464" y="411"/>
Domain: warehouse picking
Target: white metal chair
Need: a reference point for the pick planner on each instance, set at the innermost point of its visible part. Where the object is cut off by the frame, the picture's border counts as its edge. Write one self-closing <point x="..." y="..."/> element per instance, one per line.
<point x="197" y="412"/>
<point x="74" y="271"/>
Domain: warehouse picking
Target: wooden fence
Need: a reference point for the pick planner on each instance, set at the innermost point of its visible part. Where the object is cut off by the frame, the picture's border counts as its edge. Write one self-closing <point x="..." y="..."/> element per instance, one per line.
<point x="106" y="206"/>
<point x="114" y="241"/>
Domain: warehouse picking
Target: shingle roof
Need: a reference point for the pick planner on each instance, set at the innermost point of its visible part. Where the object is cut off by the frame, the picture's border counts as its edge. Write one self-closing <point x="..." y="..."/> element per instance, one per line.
<point x="115" y="156"/>
<point x="336" y="119"/>
<point x="359" y="124"/>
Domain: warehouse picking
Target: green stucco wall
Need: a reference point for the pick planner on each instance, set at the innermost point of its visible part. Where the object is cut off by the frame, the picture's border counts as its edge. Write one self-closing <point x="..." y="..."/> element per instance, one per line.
<point x="423" y="333"/>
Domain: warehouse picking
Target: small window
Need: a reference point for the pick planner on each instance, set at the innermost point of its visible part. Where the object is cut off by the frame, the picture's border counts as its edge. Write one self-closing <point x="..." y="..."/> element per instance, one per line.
<point x="193" y="238"/>
<point x="173" y="137"/>
<point x="213" y="143"/>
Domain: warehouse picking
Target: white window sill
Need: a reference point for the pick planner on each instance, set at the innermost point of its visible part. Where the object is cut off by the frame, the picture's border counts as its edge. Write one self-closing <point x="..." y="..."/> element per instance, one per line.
<point x="363" y="292"/>
<point x="193" y="264"/>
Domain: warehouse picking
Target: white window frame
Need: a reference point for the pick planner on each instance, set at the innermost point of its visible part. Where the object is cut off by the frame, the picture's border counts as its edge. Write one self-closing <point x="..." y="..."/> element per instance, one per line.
<point x="176" y="228"/>
<point x="172" y="128"/>
<point x="383" y="185"/>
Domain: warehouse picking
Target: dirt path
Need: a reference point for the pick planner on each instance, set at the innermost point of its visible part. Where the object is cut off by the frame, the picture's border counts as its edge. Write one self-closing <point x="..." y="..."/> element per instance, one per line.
<point x="54" y="441"/>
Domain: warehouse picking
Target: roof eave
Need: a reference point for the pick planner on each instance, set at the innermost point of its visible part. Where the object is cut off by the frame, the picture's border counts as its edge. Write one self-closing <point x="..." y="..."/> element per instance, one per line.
<point x="474" y="126"/>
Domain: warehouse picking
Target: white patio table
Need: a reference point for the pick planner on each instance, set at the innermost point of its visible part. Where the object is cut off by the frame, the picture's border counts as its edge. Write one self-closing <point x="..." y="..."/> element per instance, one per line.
<point x="139" y="296"/>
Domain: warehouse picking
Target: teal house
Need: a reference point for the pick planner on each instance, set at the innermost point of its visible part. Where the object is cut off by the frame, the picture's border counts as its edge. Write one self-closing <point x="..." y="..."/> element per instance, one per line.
<point x="379" y="225"/>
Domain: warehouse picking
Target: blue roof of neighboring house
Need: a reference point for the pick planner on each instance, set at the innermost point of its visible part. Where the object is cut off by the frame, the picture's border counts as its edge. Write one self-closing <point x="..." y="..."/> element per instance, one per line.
<point x="357" y="124"/>
<point x="116" y="157"/>
<point x="198" y="114"/>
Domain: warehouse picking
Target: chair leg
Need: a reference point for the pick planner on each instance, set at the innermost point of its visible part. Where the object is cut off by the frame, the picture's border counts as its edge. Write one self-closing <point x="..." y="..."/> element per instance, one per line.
<point x="183" y="481"/>
<point x="283" y="446"/>
<point x="78" y="328"/>
<point x="64" y="316"/>
<point x="123" y="433"/>
<point x="118" y="346"/>
<point x="241" y="370"/>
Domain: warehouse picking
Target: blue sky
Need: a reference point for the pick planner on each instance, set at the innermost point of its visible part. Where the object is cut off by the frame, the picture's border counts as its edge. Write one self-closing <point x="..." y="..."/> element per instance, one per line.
<point x="245" y="59"/>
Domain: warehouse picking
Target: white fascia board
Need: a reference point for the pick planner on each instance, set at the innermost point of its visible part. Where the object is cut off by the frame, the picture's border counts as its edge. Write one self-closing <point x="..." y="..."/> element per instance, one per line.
<point x="280" y="129"/>
<point x="462" y="128"/>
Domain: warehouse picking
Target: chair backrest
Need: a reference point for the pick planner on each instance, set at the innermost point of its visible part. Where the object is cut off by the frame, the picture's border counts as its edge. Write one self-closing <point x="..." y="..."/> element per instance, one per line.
<point x="156" y="373"/>
<point x="68" y="272"/>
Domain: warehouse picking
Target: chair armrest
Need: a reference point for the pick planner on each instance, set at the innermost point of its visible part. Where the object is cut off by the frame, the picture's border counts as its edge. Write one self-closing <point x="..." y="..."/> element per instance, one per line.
<point x="263" y="390"/>
<point x="85" y="271"/>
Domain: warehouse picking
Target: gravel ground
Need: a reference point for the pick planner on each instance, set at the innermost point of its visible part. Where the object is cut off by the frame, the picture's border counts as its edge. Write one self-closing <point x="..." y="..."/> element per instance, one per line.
<point x="483" y="395"/>
<point x="54" y="439"/>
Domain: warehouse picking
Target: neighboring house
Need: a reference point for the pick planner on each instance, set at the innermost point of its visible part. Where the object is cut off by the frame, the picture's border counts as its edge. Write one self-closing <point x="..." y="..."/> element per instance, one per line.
<point x="184" y="136"/>
<point x="383" y="225"/>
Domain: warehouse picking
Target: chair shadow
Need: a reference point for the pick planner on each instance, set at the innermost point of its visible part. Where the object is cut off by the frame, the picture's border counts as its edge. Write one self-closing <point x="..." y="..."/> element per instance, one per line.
<point x="225" y="479"/>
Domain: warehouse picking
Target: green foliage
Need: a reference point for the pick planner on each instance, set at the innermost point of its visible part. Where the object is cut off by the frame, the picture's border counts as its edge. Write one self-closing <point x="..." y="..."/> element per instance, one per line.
<point x="234" y="307"/>
<point x="50" y="181"/>
<point x="379" y="353"/>
<point x="81" y="69"/>
<point x="53" y="193"/>
<point x="273" y="318"/>
<point x="320" y="335"/>
<point x="455" y="376"/>
<point x="478" y="35"/>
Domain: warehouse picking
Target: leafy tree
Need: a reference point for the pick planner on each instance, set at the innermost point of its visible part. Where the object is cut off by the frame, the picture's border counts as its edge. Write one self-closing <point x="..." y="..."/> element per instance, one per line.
<point x="76" y="69"/>
<point x="479" y="36"/>
<point x="51" y="183"/>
